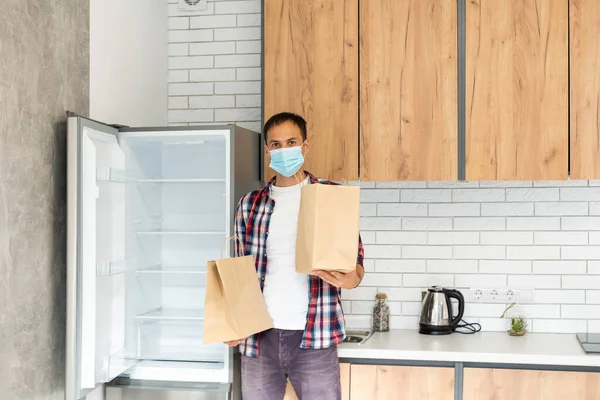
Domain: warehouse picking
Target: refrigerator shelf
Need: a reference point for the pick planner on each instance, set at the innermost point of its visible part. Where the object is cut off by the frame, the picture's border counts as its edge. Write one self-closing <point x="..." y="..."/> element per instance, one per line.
<point x="172" y="314"/>
<point x="186" y="355"/>
<point x="170" y="138"/>
<point x="118" y="361"/>
<point x="174" y="340"/>
<point x="154" y="233"/>
<point x="118" y="175"/>
<point x="111" y="175"/>
<point x="160" y="269"/>
<point x="111" y="268"/>
<point x="179" y="180"/>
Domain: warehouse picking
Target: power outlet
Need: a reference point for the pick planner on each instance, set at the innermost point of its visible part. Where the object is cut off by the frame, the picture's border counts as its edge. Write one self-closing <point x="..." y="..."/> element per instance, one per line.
<point x="505" y="295"/>
<point x="477" y="295"/>
<point x="510" y="295"/>
<point x="493" y="295"/>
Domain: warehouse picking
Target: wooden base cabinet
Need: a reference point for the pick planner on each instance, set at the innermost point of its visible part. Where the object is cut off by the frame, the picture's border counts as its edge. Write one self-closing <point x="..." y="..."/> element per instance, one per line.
<point x="384" y="382"/>
<point x="488" y="383"/>
<point x="344" y="380"/>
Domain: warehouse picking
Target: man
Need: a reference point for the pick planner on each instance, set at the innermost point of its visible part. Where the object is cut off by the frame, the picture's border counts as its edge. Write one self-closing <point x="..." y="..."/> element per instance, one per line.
<point x="306" y="309"/>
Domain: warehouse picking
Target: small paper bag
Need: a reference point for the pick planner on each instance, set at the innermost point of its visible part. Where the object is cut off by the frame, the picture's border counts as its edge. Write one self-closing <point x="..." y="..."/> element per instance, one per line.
<point x="328" y="228"/>
<point x="234" y="306"/>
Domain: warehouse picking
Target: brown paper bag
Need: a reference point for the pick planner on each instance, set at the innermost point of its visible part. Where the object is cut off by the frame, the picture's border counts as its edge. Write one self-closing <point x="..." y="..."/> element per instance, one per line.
<point x="328" y="228"/>
<point x="234" y="306"/>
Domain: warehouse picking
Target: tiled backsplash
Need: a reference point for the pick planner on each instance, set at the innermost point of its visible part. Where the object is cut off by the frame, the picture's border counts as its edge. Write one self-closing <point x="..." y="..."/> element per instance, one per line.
<point x="521" y="234"/>
<point x="214" y="64"/>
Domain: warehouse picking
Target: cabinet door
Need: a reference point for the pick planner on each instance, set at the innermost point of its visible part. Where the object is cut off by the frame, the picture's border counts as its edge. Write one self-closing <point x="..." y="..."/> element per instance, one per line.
<point x="394" y="382"/>
<point x="311" y="68"/>
<point x="408" y="90"/>
<point x="480" y="383"/>
<point x="344" y="380"/>
<point x="516" y="89"/>
<point x="585" y="89"/>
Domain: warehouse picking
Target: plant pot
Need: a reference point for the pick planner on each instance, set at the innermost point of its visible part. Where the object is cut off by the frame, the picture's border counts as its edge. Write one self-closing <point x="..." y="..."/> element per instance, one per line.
<point x="515" y="333"/>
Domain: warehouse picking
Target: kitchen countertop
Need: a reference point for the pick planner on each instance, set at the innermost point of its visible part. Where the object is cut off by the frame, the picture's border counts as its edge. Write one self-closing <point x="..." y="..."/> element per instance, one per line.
<point x="482" y="347"/>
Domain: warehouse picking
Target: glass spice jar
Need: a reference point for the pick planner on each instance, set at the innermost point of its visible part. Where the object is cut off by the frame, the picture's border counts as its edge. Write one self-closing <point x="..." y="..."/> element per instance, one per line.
<point x="381" y="314"/>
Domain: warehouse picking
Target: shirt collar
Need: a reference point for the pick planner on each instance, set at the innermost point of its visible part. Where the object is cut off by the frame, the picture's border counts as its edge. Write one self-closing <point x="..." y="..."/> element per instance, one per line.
<point x="265" y="189"/>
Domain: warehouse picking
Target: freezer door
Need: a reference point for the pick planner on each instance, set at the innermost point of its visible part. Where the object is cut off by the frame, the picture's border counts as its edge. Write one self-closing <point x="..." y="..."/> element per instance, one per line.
<point x="96" y="266"/>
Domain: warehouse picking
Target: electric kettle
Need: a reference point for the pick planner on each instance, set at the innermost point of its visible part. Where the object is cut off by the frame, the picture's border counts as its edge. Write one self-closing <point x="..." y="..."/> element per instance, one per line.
<point x="437" y="317"/>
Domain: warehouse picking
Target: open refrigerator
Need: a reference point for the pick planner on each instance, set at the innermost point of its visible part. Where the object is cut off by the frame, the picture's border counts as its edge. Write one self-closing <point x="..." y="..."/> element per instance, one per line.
<point x="147" y="208"/>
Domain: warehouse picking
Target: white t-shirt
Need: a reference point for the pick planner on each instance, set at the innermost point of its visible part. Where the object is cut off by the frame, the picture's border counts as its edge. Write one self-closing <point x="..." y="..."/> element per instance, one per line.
<point x="285" y="290"/>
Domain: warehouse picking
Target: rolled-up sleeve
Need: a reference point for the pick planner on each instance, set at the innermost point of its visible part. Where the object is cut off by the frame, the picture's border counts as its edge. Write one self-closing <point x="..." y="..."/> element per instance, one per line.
<point x="361" y="253"/>
<point x="239" y="229"/>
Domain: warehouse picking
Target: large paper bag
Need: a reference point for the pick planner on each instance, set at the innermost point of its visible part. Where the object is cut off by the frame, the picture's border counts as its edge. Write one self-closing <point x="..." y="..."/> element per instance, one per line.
<point x="328" y="228"/>
<point x="234" y="306"/>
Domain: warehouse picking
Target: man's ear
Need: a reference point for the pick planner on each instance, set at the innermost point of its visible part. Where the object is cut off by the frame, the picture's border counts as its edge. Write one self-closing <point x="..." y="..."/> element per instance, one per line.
<point x="266" y="150"/>
<point x="306" y="146"/>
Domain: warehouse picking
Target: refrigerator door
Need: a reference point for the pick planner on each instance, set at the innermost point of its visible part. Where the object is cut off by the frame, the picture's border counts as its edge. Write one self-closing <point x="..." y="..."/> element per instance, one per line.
<point x="96" y="266"/>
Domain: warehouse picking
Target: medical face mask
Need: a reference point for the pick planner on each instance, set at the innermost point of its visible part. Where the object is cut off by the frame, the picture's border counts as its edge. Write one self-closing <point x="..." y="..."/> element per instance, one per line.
<point x="286" y="161"/>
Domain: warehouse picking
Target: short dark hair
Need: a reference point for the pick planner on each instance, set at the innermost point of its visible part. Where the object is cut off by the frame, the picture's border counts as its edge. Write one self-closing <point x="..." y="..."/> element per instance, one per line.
<point x="283" y="117"/>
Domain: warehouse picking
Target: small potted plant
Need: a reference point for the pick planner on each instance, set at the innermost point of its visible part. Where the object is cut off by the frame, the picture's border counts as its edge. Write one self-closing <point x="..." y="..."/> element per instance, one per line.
<point x="518" y="326"/>
<point x="516" y="322"/>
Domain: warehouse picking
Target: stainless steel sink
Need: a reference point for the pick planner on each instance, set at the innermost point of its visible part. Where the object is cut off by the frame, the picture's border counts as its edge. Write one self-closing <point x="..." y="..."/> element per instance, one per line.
<point x="357" y="337"/>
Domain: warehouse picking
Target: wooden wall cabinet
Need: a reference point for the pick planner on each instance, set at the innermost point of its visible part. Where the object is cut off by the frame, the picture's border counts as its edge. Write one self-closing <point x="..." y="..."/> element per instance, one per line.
<point x="408" y="106"/>
<point x="399" y="121"/>
<point x="585" y="89"/>
<point x="408" y="90"/>
<point x="484" y="383"/>
<point x="517" y="90"/>
<point x="398" y="382"/>
<point x="311" y="68"/>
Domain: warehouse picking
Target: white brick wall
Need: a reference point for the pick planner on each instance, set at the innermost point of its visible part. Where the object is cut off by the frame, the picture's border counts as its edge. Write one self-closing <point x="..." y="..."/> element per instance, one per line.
<point x="214" y="64"/>
<point x="540" y="235"/>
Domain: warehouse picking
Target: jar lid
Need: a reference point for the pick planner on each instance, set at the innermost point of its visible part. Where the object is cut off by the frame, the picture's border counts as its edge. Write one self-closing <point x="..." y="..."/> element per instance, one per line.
<point x="381" y="296"/>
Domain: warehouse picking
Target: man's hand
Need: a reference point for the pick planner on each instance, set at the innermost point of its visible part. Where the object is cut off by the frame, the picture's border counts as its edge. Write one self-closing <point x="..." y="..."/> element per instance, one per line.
<point x="347" y="280"/>
<point x="233" y="343"/>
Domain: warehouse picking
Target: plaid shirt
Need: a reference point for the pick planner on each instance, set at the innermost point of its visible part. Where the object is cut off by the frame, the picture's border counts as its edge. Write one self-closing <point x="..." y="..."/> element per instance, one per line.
<point x="325" y="319"/>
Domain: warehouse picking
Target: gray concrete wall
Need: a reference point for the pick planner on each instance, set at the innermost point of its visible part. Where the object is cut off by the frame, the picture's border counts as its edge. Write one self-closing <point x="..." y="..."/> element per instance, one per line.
<point x="44" y="71"/>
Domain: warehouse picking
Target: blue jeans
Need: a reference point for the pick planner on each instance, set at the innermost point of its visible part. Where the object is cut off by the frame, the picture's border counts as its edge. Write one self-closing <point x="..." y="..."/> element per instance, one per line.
<point x="314" y="374"/>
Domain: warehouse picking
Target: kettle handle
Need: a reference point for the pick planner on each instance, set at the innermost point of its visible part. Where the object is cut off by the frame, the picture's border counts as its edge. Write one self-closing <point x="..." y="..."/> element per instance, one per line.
<point x="452" y="293"/>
